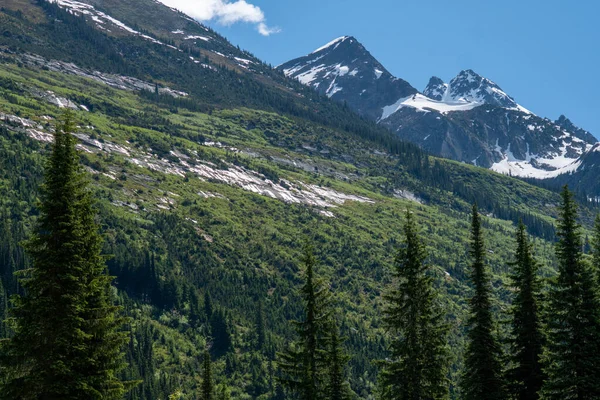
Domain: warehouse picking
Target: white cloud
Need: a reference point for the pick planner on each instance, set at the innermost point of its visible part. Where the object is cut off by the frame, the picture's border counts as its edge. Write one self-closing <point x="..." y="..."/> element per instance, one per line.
<point x="264" y="30"/>
<point x="224" y="12"/>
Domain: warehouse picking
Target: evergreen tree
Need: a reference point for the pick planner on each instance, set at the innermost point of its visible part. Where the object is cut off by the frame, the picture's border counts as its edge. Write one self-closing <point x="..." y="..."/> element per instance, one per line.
<point x="208" y="387"/>
<point x="572" y="353"/>
<point x="260" y="327"/>
<point x="526" y="340"/>
<point x="208" y="307"/>
<point x="482" y="375"/>
<point x="337" y="387"/>
<point x="221" y="337"/>
<point x="67" y="340"/>
<point x="3" y="311"/>
<point x="303" y="365"/>
<point x="417" y="368"/>
<point x="223" y="392"/>
<point x="596" y="250"/>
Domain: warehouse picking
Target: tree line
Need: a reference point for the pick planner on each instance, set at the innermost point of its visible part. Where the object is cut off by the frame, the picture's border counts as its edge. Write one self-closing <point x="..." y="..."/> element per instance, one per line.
<point x="549" y="352"/>
<point x="67" y="336"/>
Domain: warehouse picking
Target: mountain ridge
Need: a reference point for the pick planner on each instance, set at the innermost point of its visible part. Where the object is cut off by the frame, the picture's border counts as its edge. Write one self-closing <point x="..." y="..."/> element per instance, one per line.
<point x="524" y="144"/>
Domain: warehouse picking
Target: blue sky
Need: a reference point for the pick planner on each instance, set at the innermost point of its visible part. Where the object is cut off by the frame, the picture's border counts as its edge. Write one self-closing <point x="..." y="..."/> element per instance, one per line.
<point x="546" y="54"/>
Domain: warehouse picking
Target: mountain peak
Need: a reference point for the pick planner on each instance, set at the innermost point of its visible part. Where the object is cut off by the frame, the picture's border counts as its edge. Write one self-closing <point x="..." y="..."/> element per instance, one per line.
<point x="564" y="122"/>
<point x="470" y="75"/>
<point x="567" y="125"/>
<point x="335" y="43"/>
<point x="436" y="88"/>
<point x="344" y="70"/>
<point x="470" y="87"/>
<point x="434" y="80"/>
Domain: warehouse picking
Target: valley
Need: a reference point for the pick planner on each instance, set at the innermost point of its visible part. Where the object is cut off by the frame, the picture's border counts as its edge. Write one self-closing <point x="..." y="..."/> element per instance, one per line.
<point x="210" y="170"/>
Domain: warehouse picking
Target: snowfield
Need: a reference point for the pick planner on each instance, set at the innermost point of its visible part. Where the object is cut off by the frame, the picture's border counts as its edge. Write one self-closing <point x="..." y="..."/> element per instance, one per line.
<point x="536" y="166"/>
<point x="425" y="104"/>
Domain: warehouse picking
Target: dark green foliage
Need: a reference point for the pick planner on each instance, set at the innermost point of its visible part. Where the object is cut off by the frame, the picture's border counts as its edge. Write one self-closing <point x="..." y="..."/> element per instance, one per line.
<point x="482" y="375"/>
<point x="418" y="366"/>
<point x="303" y="366"/>
<point x="67" y="342"/>
<point x="142" y="366"/>
<point x="337" y="387"/>
<point x="525" y="376"/>
<point x="3" y="311"/>
<point x="223" y="393"/>
<point x="221" y="337"/>
<point x="596" y="251"/>
<point x="208" y="307"/>
<point x="208" y="385"/>
<point x="572" y="354"/>
<point x="260" y="327"/>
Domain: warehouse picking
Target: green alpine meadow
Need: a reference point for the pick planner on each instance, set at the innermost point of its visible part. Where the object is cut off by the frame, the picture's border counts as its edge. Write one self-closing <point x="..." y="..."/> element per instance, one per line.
<point x="180" y="220"/>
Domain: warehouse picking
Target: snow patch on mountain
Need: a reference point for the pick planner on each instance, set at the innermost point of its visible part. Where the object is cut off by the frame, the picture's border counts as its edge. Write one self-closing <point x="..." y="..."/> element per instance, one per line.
<point x="79" y="8"/>
<point x="334" y="42"/>
<point x="194" y="37"/>
<point x="333" y="89"/>
<point x="526" y="169"/>
<point x="331" y="71"/>
<point x="288" y="191"/>
<point x="566" y="160"/>
<point x="307" y="78"/>
<point x="425" y="104"/>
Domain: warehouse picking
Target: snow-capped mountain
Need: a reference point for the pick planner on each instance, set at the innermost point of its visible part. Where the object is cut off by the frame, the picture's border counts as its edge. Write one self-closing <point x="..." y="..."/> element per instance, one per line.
<point x="469" y="119"/>
<point x="345" y="71"/>
<point x="470" y="88"/>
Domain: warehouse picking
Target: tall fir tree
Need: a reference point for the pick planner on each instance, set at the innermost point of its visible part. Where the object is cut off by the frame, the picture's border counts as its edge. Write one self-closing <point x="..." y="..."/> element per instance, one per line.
<point x="68" y="342"/>
<point x="418" y="366"/>
<point x="337" y="386"/>
<point x="596" y="251"/>
<point x="526" y="340"/>
<point x="482" y="375"/>
<point x="303" y="364"/>
<point x="208" y="306"/>
<point x="220" y="333"/>
<point x="3" y="311"/>
<point x="260" y="327"/>
<point x="208" y="386"/>
<point x="572" y="353"/>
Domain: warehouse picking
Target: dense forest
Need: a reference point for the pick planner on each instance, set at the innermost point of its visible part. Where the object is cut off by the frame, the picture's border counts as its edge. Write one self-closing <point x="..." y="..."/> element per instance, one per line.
<point x="67" y="334"/>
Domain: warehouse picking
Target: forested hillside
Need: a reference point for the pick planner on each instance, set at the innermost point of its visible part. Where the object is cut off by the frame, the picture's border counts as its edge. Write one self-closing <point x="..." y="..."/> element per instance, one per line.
<point x="209" y="179"/>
